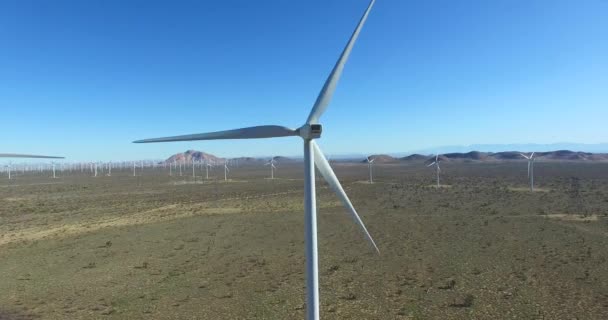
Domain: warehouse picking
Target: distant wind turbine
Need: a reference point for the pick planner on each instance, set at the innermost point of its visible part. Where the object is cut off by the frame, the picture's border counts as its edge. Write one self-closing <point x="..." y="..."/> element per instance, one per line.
<point x="8" y="168"/>
<point x="370" y="162"/>
<point x="193" y="173"/>
<point x="312" y="155"/>
<point x="18" y="155"/>
<point x="207" y="165"/>
<point x="530" y="169"/>
<point x="226" y="170"/>
<point x="271" y="163"/>
<point x="437" y="168"/>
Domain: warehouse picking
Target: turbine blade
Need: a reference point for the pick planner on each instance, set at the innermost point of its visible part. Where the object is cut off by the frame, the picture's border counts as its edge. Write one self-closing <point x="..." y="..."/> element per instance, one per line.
<point x="330" y="84"/>
<point x="329" y="176"/>
<point x="430" y="164"/>
<point x="17" y="155"/>
<point x="532" y="155"/>
<point x="436" y="157"/>
<point x="243" y="133"/>
<point x="525" y="156"/>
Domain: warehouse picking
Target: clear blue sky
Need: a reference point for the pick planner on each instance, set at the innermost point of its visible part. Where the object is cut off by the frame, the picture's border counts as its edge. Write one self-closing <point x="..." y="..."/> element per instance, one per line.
<point x="85" y="78"/>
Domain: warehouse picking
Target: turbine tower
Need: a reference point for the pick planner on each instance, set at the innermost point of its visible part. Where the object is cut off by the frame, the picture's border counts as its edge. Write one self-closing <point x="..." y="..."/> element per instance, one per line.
<point x="8" y="168"/>
<point x="370" y="164"/>
<point x="193" y="173"/>
<point x="437" y="168"/>
<point x="530" y="169"/>
<point x="207" y="165"/>
<point x="310" y="131"/>
<point x="271" y="163"/>
<point x="226" y="170"/>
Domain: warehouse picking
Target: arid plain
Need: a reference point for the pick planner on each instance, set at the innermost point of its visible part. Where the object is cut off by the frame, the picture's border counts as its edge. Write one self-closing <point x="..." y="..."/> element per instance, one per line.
<point x="482" y="246"/>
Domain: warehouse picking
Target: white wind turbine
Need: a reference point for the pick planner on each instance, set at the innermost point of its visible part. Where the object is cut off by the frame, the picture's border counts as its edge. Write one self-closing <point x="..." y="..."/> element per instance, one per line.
<point x="193" y="173"/>
<point x="312" y="155"/>
<point x="8" y="169"/>
<point x="530" y="169"/>
<point x="226" y="170"/>
<point x="437" y="168"/>
<point x="370" y="164"/>
<point x="17" y="155"/>
<point x="207" y="165"/>
<point x="271" y="163"/>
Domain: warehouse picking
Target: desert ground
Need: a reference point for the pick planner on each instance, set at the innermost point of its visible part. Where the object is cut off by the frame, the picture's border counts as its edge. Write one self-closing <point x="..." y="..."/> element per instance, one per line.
<point x="482" y="246"/>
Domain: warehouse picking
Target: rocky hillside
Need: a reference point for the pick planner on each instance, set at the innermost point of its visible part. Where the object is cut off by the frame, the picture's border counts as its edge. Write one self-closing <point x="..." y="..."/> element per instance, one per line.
<point x="190" y="155"/>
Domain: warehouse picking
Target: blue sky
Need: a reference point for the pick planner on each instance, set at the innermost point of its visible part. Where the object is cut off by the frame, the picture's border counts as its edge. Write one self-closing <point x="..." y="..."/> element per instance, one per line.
<point x="85" y="78"/>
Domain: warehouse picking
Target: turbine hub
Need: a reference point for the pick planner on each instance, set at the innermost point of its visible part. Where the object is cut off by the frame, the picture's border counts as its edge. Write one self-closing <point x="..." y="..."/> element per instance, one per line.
<point x="310" y="131"/>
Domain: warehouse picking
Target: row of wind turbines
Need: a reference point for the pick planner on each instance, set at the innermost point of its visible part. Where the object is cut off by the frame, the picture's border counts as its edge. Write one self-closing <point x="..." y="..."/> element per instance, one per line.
<point x="435" y="163"/>
<point x="530" y="159"/>
<point x="105" y="168"/>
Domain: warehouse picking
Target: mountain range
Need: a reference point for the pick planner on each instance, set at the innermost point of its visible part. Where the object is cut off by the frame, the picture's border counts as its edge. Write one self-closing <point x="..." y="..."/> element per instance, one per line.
<point x="559" y="155"/>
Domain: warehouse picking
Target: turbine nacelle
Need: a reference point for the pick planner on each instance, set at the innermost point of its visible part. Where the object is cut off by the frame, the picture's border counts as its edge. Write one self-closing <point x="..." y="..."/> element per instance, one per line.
<point x="310" y="131"/>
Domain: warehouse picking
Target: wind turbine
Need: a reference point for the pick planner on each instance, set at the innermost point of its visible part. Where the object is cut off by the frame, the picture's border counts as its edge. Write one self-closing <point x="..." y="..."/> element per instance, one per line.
<point x="437" y="168"/>
<point x="207" y="165"/>
<point x="193" y="173"/>
<point x="369" y="164"/>
<point x="271" y="163"/>
<point x="312" y="155"/>
<point x="8" y="168"/>
<point x="226" y="170"/>
<point x="17" y="155"/>
<point x="530" y="169"/>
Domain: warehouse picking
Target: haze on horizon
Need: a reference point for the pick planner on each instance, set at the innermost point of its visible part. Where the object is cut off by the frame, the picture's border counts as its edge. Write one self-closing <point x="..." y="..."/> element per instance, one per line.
<point x="84" y="79"/>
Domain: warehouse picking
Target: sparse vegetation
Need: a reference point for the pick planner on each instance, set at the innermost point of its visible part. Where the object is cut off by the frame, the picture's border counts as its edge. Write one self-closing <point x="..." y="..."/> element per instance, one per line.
<point x="156" y="248"/>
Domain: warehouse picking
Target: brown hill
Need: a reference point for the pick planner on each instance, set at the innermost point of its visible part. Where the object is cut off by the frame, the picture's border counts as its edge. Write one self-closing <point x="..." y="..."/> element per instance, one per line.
<point x="282" y="159"/>
<point x="569" y="155"/>
<point x="381" y="158"/>
<point x="473" y="155"/>
<point x="415" y="157"/>
<point x="190" y="155"/>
